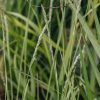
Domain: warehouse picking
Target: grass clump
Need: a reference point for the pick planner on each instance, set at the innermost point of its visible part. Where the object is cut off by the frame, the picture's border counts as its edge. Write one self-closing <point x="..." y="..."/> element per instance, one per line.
<point x="50" y="50"/>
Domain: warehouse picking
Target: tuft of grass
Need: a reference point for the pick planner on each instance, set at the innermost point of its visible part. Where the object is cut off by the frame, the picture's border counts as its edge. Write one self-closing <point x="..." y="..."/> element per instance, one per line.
<point x="40" y="59"/>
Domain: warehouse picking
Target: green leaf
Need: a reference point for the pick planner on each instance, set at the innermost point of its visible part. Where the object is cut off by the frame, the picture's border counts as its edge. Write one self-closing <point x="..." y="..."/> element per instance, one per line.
<point x="90" y="35"/>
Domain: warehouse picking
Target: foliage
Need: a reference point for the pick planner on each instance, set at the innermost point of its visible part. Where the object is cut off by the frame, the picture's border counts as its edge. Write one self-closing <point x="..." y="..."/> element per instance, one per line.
<point x="50" y="49"/>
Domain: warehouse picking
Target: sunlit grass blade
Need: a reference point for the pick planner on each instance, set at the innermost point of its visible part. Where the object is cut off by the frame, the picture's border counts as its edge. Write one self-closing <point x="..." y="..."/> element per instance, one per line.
<point x="90" y="35"/>
<point x="88" y="89"/>
<point x="93" y="65"/>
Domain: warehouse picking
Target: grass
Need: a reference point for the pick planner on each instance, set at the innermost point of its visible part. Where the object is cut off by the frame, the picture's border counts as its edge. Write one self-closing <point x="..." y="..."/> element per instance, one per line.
<point x="50" y="50"/>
